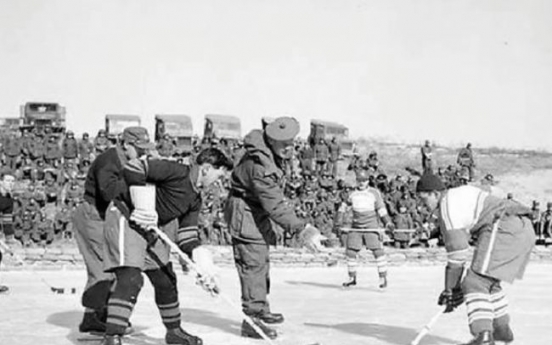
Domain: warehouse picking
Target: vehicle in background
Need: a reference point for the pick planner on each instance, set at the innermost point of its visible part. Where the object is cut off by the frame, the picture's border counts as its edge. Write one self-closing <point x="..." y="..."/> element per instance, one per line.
<point x="179" y="127"/>
<point x="42" y="117"/>
<point x="226" y="127"/>
<point x="115" y="124"/>
<point x="9" y="124"/>
<point x="327" y="130"/>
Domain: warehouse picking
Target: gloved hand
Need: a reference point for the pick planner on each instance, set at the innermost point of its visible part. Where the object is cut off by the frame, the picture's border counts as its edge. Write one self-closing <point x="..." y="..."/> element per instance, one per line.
<point x="310" y="237"/>
<point x="451" y="298"/>
<point x="144" y="218"/>
<point x="203" y="258"/>
<point x="390" y="226"/>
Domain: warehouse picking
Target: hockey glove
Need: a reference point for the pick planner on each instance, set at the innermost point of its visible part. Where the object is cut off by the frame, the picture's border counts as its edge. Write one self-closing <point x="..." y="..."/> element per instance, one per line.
<point x="451" y="299"/>
<point x="207" y="276"/>
<point x="310" y="237"/>
<point x="144" y="218"/>
<point x="452" y="296"/>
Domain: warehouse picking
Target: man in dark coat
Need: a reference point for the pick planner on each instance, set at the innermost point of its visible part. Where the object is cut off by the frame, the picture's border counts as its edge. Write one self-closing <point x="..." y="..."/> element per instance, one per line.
<point x="257" y="200"/>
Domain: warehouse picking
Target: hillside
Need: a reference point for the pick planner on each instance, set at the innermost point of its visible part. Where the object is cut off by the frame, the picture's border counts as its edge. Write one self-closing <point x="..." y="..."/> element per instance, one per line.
<point x="525" y="173"/>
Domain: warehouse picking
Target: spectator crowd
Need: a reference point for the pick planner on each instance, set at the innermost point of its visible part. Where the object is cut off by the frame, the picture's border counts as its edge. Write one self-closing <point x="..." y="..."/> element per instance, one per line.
<point x="50" y="170"/>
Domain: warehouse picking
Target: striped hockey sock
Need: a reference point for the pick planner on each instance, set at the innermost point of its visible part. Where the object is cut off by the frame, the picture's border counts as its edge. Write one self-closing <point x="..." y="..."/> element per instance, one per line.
<point x="118" y="315"/>
<point x="480" y="312"/>
<point x="170" y="314"/>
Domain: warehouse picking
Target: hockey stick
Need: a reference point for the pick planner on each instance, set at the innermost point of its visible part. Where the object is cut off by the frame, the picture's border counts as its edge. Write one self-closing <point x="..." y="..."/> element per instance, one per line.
<point x="427" y="328"/>
<point x="194" y="267"/>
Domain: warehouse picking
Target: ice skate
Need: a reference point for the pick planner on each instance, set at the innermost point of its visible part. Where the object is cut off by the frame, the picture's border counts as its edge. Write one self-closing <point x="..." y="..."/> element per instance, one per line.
<point x="503" y="334"/>
<point x="112" y="340"/>
<point x="351" y="282"/>
<point x="180" y="336"/>
<point x="248" y="331"/>
<point x="483" y="338"/>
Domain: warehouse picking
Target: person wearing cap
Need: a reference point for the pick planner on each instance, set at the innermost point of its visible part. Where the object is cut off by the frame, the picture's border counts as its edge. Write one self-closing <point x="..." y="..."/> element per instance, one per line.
<point x="504" y="238"/>
<point x="369" y="211"/>
<point x="256" y="199"/>
<point x="165" y="194"/>
<point x="334" y="153"/>
<point x="86" y="149"/>
<point x="101" y="142"/>
<point x="427" y="157"/>
<point x="103" y="182"/>
<point x="70" y="147"/>
<point x="465" y="160"/>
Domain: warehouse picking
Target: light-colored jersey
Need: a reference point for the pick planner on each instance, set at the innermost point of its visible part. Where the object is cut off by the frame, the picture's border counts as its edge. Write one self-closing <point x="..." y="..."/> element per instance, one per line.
<point x="367" y="206"/>
<point x="464" y="211"/>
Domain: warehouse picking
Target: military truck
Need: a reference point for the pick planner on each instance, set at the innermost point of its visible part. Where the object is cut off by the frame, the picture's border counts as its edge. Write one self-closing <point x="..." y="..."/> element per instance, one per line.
<point x="222" y="127"/>
<point x="115" y="124"/>
<point x="42" y="116"/>
<point x="179" y="127"/>
<point x="9" y="124"/>
<point x="327" y="130"/>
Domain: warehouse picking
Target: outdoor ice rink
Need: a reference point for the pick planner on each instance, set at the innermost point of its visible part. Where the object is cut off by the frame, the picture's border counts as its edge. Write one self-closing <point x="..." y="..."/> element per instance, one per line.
<point x="316" y="308"/>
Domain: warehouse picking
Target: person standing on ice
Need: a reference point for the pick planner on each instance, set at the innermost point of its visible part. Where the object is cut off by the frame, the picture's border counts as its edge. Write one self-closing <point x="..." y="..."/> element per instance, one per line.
<point x="256" y="200"/>
<point x="166" y="194"/>
<point x="503" y="236"/>
<point x="368" y="209"/>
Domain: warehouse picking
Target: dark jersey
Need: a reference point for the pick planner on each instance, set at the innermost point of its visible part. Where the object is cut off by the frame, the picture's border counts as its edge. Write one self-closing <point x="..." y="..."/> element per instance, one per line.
<point x="176" y="197"/>
<point x="104" y="180"/>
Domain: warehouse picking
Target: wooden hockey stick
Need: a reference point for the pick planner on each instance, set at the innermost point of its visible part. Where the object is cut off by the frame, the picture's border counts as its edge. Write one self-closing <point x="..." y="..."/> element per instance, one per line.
<point x="194" y="267"/>
<point x="427" y="327"/>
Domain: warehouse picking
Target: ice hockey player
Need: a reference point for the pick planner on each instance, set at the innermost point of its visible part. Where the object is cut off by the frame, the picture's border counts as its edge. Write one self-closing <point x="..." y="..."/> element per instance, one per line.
<point x="176" y="198"/>
<point x="504" y="238"/>
<point x="369" y="212"/>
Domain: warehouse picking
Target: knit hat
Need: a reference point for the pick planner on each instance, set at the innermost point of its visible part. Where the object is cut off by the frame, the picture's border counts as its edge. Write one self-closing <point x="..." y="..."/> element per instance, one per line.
<point x="429" y="183"/>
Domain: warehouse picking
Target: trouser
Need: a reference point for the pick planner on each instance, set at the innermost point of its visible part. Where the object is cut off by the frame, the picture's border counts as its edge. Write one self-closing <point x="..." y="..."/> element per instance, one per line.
<point x="486" y="303"/>
<point x="90" y="241"/>
<point x="253" y="264"/>
<point x="333" y="167"/>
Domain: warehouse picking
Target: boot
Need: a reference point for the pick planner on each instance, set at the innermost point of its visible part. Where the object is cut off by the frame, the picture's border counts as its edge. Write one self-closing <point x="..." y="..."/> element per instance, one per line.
<point x="112" y="340"/>
<point x="4" y="289"/>
<point x="268" y="317"/>
<point x="180" y="336"/>
<point x="351" y="281"/>
<point x="503" y="333"/>
<point x="483" y="338"/>
<point x="91" y="323"/>
<point x="248" y="332"/>
<point x="383" y="280"/>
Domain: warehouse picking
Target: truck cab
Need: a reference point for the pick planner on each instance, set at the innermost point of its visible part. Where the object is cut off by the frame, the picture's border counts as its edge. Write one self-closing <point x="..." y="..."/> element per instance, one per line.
<point x="179" y="127"/>
<point x="43" y="117"/>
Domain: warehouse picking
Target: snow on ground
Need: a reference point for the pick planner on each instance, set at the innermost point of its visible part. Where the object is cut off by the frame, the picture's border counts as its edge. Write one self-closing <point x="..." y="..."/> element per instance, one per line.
<point x="316" y="308"/>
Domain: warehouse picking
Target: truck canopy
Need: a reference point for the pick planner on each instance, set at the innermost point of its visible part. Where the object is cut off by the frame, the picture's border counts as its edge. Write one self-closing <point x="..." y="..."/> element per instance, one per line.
<point x="115" y="124"/>
<point x="177" y="126"/>
<point x="222" y="127"/>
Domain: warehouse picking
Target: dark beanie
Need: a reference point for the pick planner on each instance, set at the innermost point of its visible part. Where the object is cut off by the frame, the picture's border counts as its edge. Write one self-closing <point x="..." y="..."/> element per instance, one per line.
<point x="429" y="183"/>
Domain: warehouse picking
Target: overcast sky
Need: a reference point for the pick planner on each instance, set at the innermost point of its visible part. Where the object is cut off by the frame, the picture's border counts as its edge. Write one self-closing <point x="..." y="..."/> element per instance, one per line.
<point x="451" y="71"/>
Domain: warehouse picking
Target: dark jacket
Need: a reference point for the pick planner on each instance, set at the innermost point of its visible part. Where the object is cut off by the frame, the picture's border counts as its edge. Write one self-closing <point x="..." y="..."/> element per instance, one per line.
<point x="257" y="197"/>
<point x="70" y="148"/>
<point x="104" y="180"/>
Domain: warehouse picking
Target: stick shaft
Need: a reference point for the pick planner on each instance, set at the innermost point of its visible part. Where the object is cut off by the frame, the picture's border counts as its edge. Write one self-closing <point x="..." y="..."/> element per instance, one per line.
<point x="225" y="298"/>
<point x="427" y="327"/>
